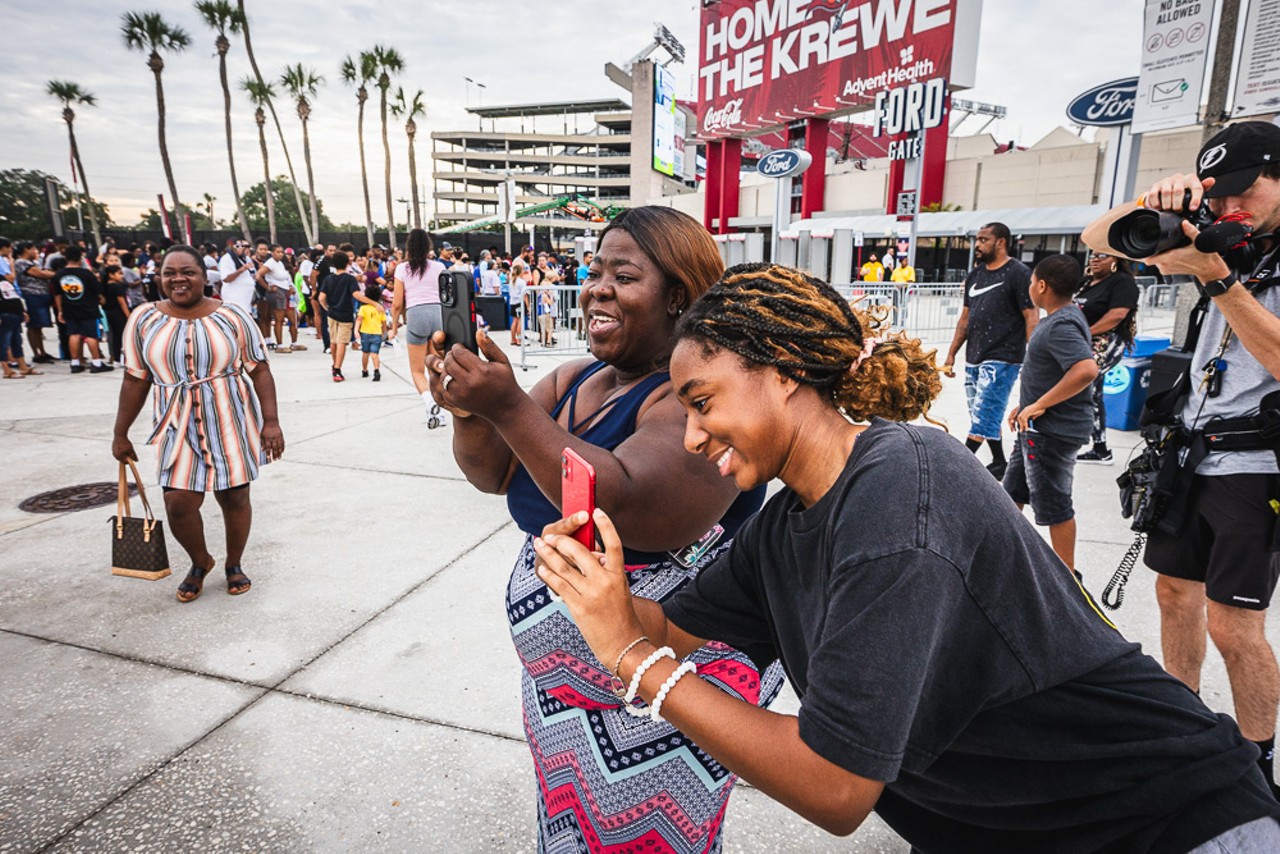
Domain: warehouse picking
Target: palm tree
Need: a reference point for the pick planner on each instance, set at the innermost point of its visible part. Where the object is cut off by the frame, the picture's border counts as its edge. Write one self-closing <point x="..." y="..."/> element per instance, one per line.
<point x="297" y="193"/>
<point x="358" y="72"/>
<point x="224" y="18"/>
<point x="260" y="94"/>
<point x="303" y="84"/>
<point x="208" y="208"/>
<point x="388" y="62"/>
<point x="149" y="33"/>
<point x="70" y="93"/>
<point x="413" y="109"/>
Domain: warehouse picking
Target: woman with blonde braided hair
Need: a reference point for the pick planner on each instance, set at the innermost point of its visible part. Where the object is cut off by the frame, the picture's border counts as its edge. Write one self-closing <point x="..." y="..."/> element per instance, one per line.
<point x="952" y="674"/>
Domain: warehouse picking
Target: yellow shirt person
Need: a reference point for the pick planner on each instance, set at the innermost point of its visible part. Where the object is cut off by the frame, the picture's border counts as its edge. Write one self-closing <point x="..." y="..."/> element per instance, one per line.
<point x="370" y="320"/>
<point x="873" y="270"/>
<point x="903" y="273"/>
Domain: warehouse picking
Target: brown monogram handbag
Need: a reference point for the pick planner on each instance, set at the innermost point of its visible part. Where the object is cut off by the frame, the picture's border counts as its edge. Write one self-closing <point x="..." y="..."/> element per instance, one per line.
<point x="137" y="545"/>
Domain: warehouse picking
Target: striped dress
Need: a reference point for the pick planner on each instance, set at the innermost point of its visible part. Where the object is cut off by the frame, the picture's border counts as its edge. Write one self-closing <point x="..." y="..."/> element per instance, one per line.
<point x="208" y="424"/>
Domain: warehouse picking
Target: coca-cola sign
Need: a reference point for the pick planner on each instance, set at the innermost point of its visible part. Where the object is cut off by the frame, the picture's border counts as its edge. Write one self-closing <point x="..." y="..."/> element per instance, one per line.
<point x="730" y="115"/>
<point x="1106" y="105"/>
<point x="763" y="63"/>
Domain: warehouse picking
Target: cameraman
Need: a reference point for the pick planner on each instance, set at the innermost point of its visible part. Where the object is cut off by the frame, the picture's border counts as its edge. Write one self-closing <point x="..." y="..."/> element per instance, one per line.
<point x="1219" y="571"/>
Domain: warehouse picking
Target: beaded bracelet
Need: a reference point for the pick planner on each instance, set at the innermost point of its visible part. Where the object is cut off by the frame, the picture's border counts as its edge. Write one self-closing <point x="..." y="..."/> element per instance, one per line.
<point x="682" y="670"/>
<point x="665" y="652"/>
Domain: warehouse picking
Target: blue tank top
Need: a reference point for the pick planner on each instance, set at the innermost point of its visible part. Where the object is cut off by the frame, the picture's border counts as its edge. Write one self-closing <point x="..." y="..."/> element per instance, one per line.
<point x="532" y="511"/>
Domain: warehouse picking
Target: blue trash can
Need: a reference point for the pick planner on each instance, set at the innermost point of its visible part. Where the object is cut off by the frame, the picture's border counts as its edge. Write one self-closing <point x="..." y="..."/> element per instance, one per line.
<point x="1125" y="391"/>
<point x="1147" y="345"/>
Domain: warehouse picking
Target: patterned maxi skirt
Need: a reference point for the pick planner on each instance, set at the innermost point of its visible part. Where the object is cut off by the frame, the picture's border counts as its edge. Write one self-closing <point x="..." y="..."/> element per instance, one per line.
<point x="609" y="781"/>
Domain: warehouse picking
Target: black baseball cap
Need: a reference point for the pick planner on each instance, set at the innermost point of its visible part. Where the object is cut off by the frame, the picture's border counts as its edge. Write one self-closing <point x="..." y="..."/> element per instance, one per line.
<point x="1236" y="156"/>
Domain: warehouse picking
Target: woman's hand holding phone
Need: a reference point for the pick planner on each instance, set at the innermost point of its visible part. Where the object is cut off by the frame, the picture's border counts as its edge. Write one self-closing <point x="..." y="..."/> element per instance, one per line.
<point x="467" y="384"/>
<point x="593" y="585"/>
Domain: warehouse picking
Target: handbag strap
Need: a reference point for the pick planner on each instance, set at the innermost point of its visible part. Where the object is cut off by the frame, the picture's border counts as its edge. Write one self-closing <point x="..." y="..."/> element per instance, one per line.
<point x="123" y="506"/>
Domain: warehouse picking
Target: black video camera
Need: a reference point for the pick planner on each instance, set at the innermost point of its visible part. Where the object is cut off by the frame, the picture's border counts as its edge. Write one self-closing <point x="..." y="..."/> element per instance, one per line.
<point x="1145" y="232"/>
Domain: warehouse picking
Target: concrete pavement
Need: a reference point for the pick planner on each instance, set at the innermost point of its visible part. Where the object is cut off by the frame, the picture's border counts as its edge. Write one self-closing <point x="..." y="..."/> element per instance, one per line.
<point x="364" y="695"/>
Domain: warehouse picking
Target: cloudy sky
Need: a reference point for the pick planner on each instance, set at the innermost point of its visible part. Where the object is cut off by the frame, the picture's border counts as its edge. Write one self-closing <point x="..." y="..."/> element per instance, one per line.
<point x="1033" y="59"/>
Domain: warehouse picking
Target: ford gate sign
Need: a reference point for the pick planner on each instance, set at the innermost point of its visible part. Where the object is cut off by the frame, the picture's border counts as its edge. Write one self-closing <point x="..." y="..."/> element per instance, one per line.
<point x="1106" y="105"/>
<point x="784" y="162"/>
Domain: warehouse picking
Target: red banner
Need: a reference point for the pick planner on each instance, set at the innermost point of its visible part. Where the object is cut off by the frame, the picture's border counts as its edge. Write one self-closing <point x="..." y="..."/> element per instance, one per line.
<point x="767" y="62"/>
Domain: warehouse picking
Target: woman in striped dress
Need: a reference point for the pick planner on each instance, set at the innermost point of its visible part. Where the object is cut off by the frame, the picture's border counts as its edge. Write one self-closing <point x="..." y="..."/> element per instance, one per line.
<point x="212" y="431"/>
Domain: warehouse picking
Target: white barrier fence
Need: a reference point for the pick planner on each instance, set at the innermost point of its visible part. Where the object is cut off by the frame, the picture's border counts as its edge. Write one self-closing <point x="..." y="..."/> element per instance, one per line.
<point x="930" y="311"/>
<point x="552" y="323"/>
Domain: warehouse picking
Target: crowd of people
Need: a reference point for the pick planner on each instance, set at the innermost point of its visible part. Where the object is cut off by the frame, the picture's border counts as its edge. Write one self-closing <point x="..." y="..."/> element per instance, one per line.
<point x="87" y="296"/>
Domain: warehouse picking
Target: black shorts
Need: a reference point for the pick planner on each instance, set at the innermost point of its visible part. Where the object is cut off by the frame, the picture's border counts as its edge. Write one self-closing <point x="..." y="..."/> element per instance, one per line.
<point x="1228" y="540"/>
<point x="84" y="327"/>
<point x="1041" y="472"/>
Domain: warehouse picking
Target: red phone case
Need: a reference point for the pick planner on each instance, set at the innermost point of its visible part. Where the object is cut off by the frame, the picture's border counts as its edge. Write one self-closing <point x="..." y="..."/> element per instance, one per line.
<point x="578" y="492"/>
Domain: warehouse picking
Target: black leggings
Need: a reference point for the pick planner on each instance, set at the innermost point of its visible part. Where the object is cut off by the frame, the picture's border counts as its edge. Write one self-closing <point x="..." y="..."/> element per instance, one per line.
<point x="115" y="328"/>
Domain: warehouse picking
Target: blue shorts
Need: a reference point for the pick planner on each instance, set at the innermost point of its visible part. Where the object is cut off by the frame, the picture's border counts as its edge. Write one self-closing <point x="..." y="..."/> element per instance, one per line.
<point x="38" y="309"/>
<point x="1041" y="472"/>
<point x="987" y="387"/>
<point x="370" y="343"/>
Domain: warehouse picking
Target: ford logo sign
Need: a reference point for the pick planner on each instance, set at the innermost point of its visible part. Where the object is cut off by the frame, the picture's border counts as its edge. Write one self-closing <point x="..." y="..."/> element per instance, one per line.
<point x="784" y="162"/>
<point x="1106" y="105"/>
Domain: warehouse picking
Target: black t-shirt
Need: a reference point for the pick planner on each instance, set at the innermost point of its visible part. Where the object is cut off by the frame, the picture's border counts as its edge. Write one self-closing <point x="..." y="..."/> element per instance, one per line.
<point x="114" y="291"/>
<point x="337" y="289"/>
<point x="1118" y="290"/>
<point x="79" y="289"/>
<point x="1060" y="341"/>
<point x="322" y="271"/>
<point x="939" y="646"/>
<point x="996" y="300"/>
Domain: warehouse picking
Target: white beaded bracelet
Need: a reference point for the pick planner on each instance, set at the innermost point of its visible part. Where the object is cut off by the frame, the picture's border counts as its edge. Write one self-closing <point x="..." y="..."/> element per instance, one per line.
<point x="654" y="657"/>
<point x="687" y="667"/>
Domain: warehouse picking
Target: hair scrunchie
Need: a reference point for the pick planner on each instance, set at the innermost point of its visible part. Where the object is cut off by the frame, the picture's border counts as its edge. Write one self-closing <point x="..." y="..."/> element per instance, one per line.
<point x="868" y="347"/>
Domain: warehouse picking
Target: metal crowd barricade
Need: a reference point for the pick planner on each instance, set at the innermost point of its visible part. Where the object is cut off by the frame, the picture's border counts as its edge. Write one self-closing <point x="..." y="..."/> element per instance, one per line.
<point x="870" y="295"/>
<point x="932" y="311"/>
<point x="568" y="326"/>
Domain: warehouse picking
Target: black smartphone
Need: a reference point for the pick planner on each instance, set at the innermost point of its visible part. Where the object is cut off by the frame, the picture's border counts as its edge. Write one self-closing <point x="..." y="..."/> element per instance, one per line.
<point x="458" y="310"/>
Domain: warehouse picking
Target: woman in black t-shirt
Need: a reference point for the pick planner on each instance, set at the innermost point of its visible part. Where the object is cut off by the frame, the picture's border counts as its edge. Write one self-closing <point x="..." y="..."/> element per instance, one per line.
<point x="1109" y="301"/>
<point x="953" y="675"/>
<point x="116" y="307"/>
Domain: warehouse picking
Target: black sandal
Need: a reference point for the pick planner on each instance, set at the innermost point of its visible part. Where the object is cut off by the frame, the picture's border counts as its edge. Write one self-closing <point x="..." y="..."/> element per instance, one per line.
<point x="236" y="587"/>
<point x="189" y="591"/>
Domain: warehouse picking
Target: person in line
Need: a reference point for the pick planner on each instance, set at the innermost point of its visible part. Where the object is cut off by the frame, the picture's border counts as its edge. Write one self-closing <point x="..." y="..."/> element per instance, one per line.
<point x="517" y="283"/>
<point x="115" y="299"/>
<point x="273" y="276"/>
<point x="33" y="283"/>
<point x="1109" y="300"/>
<point x="236" y="266"/>
<point x="994" y="326"/>
<point x="951" y="675"/>
<point x="78" y="298"/>
<point x="13" y="313"/>
<point x="1218" y="572"/>
<point x="416" y="299"/>
<point x="261" y="298"/>
<point x="1053" y="416"/>
<point x="370" y="320"/>
<point x="214" y="411"/>
<point x="211" y="269"/>
<point x="675" y="514"/>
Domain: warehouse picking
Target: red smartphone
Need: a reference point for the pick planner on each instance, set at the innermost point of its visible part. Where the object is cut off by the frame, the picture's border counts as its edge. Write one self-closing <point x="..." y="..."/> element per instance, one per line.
<point x="578" y="492"/>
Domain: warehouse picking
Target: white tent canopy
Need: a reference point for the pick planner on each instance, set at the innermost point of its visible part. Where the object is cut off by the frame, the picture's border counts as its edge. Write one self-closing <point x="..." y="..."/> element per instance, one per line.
<point x="1069" y="219"/>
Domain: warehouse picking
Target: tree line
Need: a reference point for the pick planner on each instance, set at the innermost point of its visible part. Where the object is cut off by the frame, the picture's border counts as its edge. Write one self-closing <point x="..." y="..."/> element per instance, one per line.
<point x="151" y="34"/>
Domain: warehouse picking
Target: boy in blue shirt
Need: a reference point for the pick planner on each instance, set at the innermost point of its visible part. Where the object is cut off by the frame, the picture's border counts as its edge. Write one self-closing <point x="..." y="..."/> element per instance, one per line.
<point x="1054" y="416"/>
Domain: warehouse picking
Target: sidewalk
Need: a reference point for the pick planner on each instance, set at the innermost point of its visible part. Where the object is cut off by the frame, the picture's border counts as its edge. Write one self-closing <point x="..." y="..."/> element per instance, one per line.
<point x="364" y="695"/>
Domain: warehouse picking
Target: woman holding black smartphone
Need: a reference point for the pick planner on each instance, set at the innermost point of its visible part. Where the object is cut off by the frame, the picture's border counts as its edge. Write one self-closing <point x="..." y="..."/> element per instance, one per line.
<point x="603" y="782"/>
